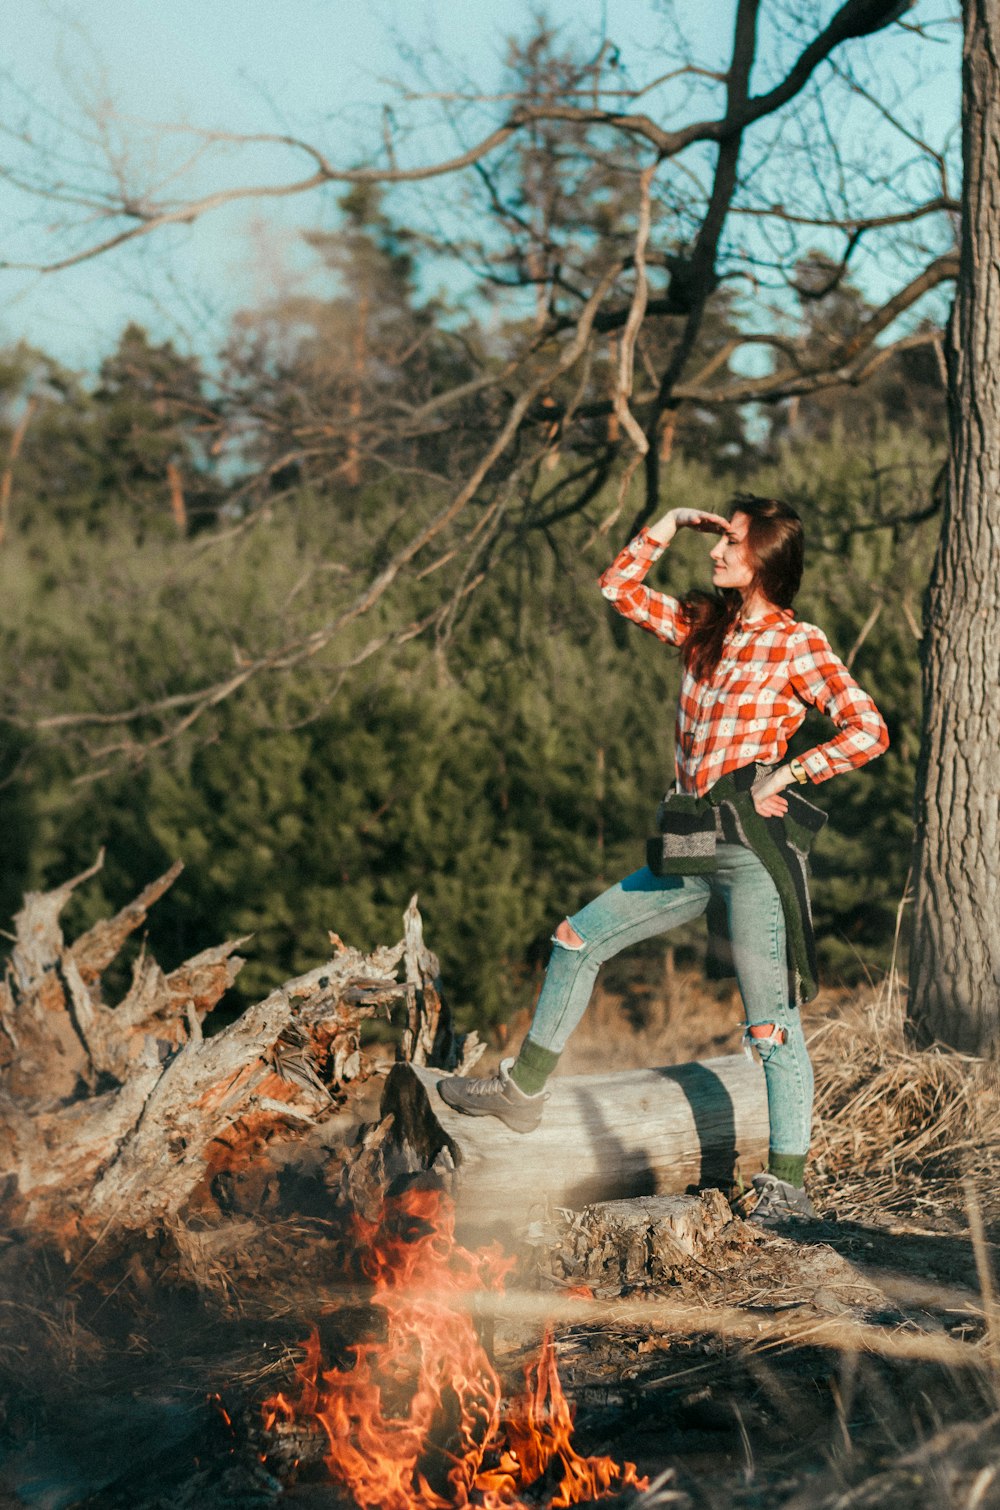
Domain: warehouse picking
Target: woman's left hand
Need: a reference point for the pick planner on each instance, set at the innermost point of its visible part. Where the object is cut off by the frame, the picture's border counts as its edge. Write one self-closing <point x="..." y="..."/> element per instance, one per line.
<point x="766" y="794"/>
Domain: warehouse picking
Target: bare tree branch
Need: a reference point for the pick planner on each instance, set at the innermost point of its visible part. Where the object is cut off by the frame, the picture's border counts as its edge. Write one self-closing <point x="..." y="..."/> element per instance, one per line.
<point x="295" y="652"/>
<point x="854" y="18"/>
<point x="842" y="363"/>
<point x="849" y="224"/>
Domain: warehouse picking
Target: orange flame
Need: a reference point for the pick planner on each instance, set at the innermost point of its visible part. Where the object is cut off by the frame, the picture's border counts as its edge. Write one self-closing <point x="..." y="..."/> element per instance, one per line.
<point x="415" y="1423"/>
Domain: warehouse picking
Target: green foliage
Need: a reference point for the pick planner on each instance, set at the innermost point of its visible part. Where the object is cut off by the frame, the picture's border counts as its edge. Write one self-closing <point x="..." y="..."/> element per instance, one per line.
<point x="133" y="448"/>
<point x="506" y="770"/>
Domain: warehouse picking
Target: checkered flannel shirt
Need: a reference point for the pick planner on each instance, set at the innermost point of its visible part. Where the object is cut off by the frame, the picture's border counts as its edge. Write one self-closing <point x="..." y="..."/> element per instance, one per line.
<point x="772" y="669"/>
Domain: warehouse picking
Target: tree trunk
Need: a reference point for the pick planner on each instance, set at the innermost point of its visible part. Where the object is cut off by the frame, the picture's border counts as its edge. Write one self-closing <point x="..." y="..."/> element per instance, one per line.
<point x="603" y="1137"/>
<point x="955" y="958"/>
<point x="7" y="476"/>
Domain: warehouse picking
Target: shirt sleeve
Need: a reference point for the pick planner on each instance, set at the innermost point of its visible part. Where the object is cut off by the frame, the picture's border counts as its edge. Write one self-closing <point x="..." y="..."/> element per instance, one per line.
<point x="822" y="680"/>
<point x="622" y="585"/>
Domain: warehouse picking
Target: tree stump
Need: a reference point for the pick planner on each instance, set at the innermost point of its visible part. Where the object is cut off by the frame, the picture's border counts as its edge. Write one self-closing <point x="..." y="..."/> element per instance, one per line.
<point x="615" y="1246"/>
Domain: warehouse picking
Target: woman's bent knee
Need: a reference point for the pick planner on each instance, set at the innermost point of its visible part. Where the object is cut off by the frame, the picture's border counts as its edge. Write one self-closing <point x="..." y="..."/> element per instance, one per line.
<point x="567" y="936"/>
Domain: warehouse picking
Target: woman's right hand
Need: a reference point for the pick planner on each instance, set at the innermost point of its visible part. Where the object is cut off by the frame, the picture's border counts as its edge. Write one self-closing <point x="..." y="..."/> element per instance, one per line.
<point x="664" y="530"/>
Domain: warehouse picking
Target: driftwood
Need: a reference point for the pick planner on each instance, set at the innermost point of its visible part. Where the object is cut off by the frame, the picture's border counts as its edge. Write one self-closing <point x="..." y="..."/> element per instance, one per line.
<point x="602" y="1137"/>
<point x="113" y="1115"/>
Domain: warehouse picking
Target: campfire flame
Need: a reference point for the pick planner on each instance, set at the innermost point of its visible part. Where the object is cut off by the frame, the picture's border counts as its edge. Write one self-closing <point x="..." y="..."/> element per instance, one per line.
<point x="415" y="1424"/>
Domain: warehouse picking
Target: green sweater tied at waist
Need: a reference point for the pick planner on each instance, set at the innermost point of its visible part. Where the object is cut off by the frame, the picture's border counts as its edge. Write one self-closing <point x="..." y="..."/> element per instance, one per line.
<point x="691" y="827"/>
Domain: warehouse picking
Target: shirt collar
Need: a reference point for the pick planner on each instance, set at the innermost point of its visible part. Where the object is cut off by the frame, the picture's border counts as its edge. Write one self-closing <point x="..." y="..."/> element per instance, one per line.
<point x="767" y="619"/>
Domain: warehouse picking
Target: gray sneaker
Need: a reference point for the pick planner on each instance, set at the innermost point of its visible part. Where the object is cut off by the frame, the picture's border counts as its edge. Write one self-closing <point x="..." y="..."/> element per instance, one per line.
<point x="494" y="1096"/>
<point x="778" y="1202"/>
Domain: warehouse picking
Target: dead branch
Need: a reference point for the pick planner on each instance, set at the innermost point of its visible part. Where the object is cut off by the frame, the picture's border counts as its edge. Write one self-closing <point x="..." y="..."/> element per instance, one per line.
<point x="852" y="224"/>
<point x="113" y="1116"/>
<point x="295" y="652"/>
<point x="849" y="362"/>
<point x="855" y="18"/>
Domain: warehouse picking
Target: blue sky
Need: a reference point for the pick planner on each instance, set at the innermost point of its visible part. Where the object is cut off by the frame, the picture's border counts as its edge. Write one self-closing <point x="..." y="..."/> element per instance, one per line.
<point x="318" y="68"/>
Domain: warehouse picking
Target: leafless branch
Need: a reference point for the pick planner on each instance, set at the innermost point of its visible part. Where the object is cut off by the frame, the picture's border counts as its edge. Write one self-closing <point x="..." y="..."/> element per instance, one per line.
<point x="854" y="18"/>
<point x="852" y="224"/>
<point x="295" y="652"/>
<point x="850" y="362"/>
<point x="633" y="324"/>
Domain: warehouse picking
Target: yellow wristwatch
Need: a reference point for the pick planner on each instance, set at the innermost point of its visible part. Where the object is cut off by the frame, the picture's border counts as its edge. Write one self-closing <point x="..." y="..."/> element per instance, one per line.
<point x="798" y="770"/>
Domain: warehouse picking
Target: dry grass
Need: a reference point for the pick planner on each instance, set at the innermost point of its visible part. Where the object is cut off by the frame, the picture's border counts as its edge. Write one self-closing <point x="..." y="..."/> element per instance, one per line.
<point x="897" y="1126"/>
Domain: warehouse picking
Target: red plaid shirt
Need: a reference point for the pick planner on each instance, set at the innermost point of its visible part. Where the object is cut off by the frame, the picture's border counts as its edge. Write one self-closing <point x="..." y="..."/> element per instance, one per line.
<point x="771" y="669"/>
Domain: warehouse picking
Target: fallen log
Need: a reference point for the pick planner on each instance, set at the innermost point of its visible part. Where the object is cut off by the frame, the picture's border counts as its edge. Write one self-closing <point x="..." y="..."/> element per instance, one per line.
<point x="603" y="1137"/>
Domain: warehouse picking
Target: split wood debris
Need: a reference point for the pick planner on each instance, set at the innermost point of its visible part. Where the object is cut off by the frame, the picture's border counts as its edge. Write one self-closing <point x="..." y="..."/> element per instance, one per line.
<point x="112" y="1114"/>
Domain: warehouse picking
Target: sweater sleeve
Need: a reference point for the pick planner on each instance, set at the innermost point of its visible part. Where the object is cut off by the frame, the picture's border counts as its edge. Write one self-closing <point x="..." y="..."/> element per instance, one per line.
<point x="822" y="680"/>
<point x="622" y="585"/>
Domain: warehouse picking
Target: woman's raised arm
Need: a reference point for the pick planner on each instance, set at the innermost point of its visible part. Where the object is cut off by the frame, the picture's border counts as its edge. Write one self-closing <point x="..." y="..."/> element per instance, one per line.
<point x="622" y="583"/>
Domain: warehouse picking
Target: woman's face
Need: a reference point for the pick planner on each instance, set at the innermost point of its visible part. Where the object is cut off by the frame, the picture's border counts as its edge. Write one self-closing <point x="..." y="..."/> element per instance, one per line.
<point x="731" y="562"/>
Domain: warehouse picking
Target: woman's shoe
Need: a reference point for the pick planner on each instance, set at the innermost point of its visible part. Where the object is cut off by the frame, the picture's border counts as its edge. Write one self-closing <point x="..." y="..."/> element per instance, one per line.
<point x="778" y="1201"/>
<point x="494" y="1096"/>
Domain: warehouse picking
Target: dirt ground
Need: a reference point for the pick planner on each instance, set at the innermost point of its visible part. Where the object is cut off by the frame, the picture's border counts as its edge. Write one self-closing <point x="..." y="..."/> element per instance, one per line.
<point x="849" y="1362"/>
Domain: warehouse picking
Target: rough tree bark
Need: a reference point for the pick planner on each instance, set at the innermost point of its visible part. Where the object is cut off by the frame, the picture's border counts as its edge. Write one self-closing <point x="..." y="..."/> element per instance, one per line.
<point x="955" y="959"/>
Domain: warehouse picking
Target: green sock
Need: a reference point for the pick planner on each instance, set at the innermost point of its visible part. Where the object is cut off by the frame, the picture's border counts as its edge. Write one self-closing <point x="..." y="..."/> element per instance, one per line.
<point x="790" y="1167"/>
<point x="533" y="1067"/>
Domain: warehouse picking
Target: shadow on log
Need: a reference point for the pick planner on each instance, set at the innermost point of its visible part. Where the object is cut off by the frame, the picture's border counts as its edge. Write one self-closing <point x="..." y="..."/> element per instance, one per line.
<point x="603" y="1137"/>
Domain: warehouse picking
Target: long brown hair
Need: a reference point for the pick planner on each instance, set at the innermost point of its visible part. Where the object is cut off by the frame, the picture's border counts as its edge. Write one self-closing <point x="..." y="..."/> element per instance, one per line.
<point x="775" y="543"/>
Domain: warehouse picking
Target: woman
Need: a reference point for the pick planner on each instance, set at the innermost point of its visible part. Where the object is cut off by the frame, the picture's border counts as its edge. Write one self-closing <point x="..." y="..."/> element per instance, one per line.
<point x="729" y="842"/>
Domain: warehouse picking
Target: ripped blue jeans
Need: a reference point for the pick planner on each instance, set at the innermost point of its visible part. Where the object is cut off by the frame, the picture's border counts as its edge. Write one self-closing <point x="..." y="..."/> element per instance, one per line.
<point x="644" y="905"/>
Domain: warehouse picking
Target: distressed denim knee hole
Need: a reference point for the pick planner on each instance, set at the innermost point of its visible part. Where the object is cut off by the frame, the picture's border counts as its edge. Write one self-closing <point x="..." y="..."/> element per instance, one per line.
<point x="766" y="1044"/>
<point x="568" y="939"/>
